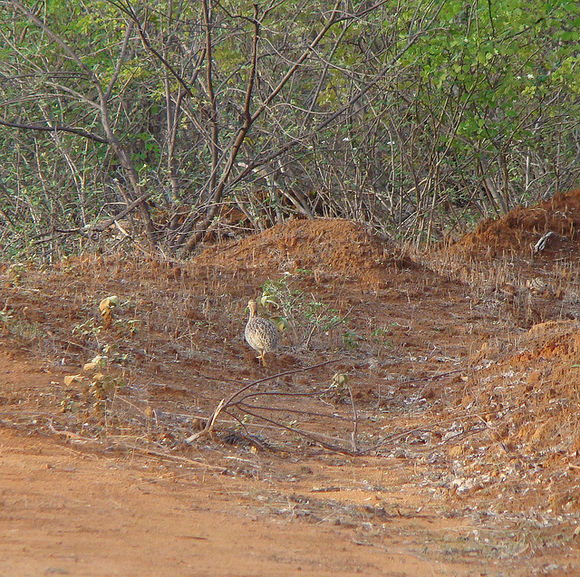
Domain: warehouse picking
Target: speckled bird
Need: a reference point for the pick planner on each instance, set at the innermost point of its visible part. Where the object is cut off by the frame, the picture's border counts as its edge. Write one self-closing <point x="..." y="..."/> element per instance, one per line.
<point x="261" y="334"/>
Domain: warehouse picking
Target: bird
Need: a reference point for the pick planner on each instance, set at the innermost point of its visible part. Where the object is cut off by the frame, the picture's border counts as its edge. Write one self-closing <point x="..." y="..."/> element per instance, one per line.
<point x="261" y="334"/>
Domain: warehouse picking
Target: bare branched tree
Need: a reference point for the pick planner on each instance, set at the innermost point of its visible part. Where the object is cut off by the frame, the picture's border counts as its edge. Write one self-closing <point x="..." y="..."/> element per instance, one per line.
<point x="413" y="117"/>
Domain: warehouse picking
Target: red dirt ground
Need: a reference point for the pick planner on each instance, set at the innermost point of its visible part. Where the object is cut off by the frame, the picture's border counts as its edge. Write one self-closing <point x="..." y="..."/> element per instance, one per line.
<point x="441" y="437"/>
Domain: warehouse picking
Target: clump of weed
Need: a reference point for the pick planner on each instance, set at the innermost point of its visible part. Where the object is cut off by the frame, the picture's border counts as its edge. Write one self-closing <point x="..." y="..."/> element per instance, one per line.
<point x="93" y="390"/>
<point x="303" y="314"/>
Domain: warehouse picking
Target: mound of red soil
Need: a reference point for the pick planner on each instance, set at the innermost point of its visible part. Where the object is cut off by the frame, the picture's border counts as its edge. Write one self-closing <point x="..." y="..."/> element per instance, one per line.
<point x="538" y="409"/>
<point x="329" y="245"/>
<point x="519" y="230"/>
<point x="529" y="402"/>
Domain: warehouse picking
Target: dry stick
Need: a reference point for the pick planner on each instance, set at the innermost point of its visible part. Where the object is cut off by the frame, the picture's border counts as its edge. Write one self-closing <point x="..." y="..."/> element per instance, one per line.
<point x="318" y="393"/>
<point x="223" y="404"/>
<point x="284" y="394"/>
<point x="249" y="409"/>
<point x="356" y="450"/>
<point x="395" y="437"/>
<point x="56" y="127"/>
<point x="319" y="439"/>
<point x="177" y="458"/>
<point x="402" y="434"/>
<point x="244" y="406"/>
<point x="72" y="436"/>
<point x="100" y="227"/>
<point x="208" y="426"/>
<point x="354" y="422"/>
<point x="291" y="372"/>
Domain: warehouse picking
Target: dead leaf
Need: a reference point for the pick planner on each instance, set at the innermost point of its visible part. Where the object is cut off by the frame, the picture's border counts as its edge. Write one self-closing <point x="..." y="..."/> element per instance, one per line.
<point x="70" y="379"/>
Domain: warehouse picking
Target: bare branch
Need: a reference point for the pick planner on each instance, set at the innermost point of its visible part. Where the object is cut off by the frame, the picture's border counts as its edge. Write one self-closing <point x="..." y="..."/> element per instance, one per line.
<point x="56" y="128"/>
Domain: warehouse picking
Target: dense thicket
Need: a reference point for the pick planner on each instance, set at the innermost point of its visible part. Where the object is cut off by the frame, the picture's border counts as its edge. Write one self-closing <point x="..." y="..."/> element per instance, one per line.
<point x="159" y="117"/>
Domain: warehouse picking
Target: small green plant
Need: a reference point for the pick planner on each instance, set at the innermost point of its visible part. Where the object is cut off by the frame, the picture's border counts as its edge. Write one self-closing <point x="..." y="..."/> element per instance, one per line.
<point x="87" y="329"/>
<point x="133" y="326"/>
<point x="380" y="336"/>
<point x="280" y="294"/>
<point x="102" y="389"/>
<point x="350" y="340"/>
<point x="91" y="328"/>
<point x="114" y="356"/>
<point x="322" y="315"/>
<point x="304" y="314"/>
